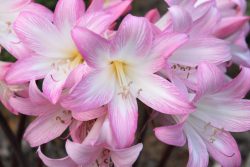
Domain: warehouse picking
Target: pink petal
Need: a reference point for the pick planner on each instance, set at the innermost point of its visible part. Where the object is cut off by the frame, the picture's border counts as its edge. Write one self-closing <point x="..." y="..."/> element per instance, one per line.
<point x="126" y="157"/>
<point x="153" y="15"/>
<point x="182" y="21"/>
<point x="35" y="94"/>
<point x="78" y="131"/>
<point x="33" y="31"/>
<point x="82" y="154"/>
<point x="27" y="69"/>
<point x="92" y="92"/>
<point x="198" y="155"/>
<point x="163" y="46"/>
<point x="63" y="162"/>
<point x="197" y="50"/>
<point x="89" y="115"/>
<point x="209" y="79"/>
<point x="40" y="10"/>
<point x="119" y="9"/>
<point x="229" y="114"/>
<point x="67" y="13"/>
<point x="238" y="87"/>
<point x="123" y="118"/>
<point x="161" y="95"/>
<point x="94" y="48"/>
<point x="206" y="24"/>
<point x="50" y="125"/>
<point x="97" y="22"/>
<point x="52" y="88"/>
<point x="230" y="25"/>
<point x="25" y="106"/>
<point x="172" y="135"/>
<point x="133" y="38"/>
<point x="225" y="150"/>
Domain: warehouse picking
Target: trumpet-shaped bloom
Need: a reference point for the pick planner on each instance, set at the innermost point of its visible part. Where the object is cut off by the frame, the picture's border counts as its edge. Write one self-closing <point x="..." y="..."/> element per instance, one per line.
<point x="97" y="149"/>
<point x="220" y="109"/>
<point x="197" y="19"/>
<point x="9" y="11"/>
<point x="52" y="119"/>
<point x="123" y="70"/>
<point x="54" y="55"/>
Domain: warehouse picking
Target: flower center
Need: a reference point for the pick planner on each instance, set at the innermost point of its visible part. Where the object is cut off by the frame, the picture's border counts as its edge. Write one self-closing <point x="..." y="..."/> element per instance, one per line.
<point x="120" y="70"/>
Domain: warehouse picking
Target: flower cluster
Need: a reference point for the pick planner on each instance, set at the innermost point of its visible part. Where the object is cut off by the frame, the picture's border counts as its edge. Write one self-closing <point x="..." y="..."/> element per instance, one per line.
<point x="94" y="70"/>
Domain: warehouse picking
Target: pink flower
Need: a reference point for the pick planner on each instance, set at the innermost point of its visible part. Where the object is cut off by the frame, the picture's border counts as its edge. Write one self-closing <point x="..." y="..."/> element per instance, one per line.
<point x="197" y="19"/>
<point x="234" y="28"/>
<point x="123" y="70"/>
<point x="9" y="11"/>
<point x="220" y="109"/>
<point x="52" y="119"/>
<point x="54" y="55"/>
<point x="97" y="149"/>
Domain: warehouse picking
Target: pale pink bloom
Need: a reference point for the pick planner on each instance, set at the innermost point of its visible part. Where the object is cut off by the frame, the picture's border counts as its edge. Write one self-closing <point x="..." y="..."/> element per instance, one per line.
<point x="52" y="119"/>
<point x="234" y="28"/>
<point x="197" y="19"/>
<point x="8" y="91"/>
<point x="9" y="10"/>
<point x="123" y="70"/>
<point x="55" y="54"/>
<point x="220" y="109"/>
<point x="97" y="149"/>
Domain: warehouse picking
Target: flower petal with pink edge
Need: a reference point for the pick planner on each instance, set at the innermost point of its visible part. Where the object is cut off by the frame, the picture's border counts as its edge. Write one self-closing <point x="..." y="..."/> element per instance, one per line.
<point x="50" y="125"/>
<point x="92" y="92"/>
<point x="52" y="88"/>
<point x="182" y="21"/>
<point x="229" y="114"/>
<point x="198" y="155"/>
<point x="123" y="116"/>
<point x="133" y="38"/>
<point x="161" y="95"/>
<point x="27" y="69"/>
<point x="63" y="162"/>
<point x="83" y="154"/>
<point x="230" y="25"/>
<point x="36" y="96"/>
<point x="205" y="25"/>
<point x="33" y="30"/>
<point x="67" y="13"/>
<point x="163" y="46"/>
<point x="237" y="87"/>
<point x="172" y="135"/>
<point x="98" y="22"/>
<point x="225" y="150"/>
<point x="197" y="50"/>
<point x="93" y="47"/>
<point x="89" y="115"/>
<point x="210" y="79"/>
<point x="26" y="107"/>
<point x="126" y="157"/>
<point x="39" y="9"/>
